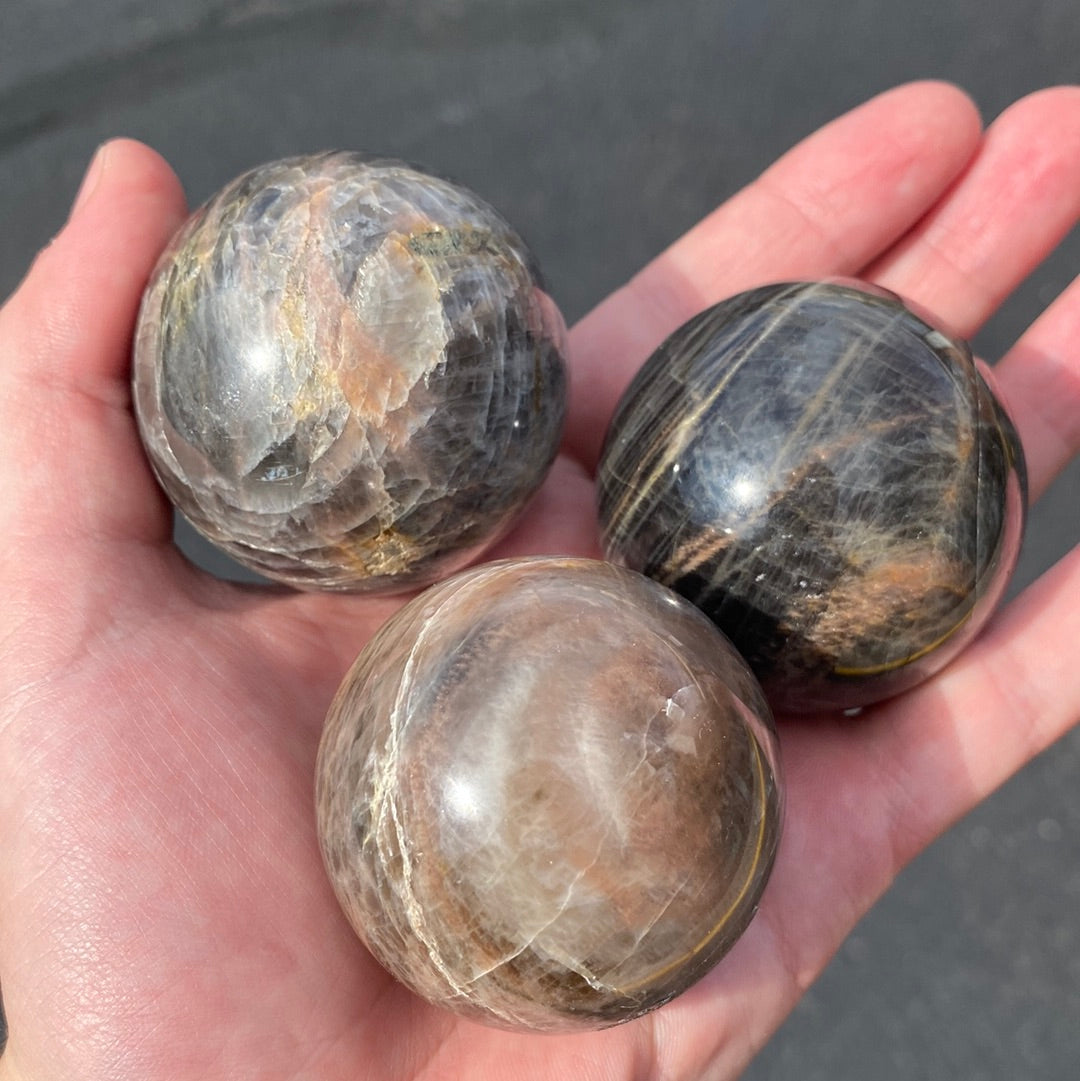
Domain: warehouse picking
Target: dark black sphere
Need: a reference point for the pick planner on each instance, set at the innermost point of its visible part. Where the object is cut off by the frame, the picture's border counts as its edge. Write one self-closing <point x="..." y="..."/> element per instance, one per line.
<point x="829" y="477"/>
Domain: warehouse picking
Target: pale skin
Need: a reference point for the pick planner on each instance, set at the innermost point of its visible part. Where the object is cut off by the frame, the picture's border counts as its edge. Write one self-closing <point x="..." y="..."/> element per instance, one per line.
<point x="163" y="910"/>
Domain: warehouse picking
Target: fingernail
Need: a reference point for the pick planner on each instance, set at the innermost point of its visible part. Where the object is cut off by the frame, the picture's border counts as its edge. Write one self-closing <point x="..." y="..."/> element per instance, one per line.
<point x="92" y="179"/>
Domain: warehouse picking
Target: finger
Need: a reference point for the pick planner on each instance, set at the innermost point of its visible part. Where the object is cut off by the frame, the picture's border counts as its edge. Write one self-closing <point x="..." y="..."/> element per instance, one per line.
<point x="829" y="206"/>
<point x="65" y="338"/>
<point x="1016" y="201"/>
<point x="1040" y="383"/>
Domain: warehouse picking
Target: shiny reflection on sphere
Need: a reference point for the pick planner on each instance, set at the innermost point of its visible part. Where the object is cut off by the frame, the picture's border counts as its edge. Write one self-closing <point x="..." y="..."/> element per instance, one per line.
<point x="829" y="478"/>
<point x="547" y="794"/>
<point x="347" y="375"/>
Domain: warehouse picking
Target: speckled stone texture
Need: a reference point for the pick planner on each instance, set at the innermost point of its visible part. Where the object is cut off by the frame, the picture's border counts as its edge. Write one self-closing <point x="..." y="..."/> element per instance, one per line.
<point x="827" y="476"/>
<point x="347" y="374"/>
<point x="548" y="794"/>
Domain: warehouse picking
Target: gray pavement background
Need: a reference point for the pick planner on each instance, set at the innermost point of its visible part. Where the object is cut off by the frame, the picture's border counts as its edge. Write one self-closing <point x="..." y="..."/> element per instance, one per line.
<point x="602" y="130"/>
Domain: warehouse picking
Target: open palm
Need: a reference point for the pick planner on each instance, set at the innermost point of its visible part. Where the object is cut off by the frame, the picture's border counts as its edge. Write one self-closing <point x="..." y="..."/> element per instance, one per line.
<point x="163" y="910"/>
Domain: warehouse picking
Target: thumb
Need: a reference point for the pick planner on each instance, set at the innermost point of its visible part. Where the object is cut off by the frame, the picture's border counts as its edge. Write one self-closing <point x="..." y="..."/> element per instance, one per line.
<point x="76" y="471"/>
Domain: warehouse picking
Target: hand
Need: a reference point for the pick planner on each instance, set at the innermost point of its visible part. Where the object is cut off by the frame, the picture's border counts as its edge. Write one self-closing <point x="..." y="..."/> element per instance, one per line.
<point x="163" y="910"/>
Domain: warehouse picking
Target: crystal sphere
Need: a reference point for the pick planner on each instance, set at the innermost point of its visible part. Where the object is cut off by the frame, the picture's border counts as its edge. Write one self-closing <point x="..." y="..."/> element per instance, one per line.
<point x="826" y="475"/>
<point x="548" y="794"/>
<point x="347" y="374"/>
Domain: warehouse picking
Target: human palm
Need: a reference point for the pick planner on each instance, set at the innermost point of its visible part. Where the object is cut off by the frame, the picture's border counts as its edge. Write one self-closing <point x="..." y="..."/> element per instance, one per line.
<point x="163" y="911"/>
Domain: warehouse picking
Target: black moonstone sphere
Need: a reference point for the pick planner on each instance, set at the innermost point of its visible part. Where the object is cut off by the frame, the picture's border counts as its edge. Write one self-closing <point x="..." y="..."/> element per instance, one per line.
<point x="827" y="476"/>
<point x="549" y="795"/>
<point x="347" y="374"/>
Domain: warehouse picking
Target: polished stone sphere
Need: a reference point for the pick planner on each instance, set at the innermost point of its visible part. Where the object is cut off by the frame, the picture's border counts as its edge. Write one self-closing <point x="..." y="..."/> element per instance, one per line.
<point x="826" y="475"/>
<point x="547" y="794"/>
<point x="347" y="375"/>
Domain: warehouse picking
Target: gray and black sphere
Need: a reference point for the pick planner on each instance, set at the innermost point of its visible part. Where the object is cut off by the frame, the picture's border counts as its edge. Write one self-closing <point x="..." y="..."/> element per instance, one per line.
<point x="829" y="477"/>
<point x="347" y="374"/>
